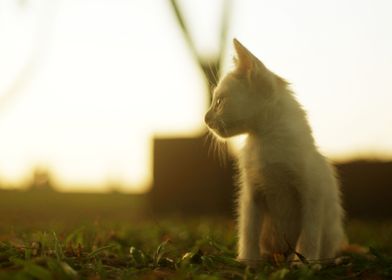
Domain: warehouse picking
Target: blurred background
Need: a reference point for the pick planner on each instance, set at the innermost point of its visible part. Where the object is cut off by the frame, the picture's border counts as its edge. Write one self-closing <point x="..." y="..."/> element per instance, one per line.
<point x="102" y="102"/>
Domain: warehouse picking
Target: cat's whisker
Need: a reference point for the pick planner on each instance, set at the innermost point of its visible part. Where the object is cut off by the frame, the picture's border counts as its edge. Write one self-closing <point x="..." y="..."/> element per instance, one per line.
<point x="222" y="147"/>
<point x="207" y="137"/>
<point x="223" y="153"/>
<point x="216" y="148"/>
<point x="213" y="145"/>
<point x="210" y="140"/>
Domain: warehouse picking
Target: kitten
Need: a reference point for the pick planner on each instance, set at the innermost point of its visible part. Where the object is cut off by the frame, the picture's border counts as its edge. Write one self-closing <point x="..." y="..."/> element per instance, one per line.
<point x="289" y="198"/>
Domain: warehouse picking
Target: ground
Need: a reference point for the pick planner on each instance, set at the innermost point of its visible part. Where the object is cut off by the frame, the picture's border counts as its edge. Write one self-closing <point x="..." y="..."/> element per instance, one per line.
<point x="34" y="246"/>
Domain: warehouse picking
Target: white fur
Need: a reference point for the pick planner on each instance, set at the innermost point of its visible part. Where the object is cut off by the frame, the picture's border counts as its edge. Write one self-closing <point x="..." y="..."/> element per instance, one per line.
<point x="289" y="197"/>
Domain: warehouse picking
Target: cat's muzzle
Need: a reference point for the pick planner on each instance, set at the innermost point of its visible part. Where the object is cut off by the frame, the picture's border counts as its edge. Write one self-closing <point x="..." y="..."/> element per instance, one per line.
<point x="208" y="120"/>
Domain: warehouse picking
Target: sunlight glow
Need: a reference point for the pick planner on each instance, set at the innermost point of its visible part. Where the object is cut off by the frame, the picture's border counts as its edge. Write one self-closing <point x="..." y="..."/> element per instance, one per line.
<point x="108" y="75"/>
<point x="100" y="94"/>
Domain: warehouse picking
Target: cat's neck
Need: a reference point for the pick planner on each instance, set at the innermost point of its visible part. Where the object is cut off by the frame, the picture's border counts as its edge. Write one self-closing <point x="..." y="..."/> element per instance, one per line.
<point x="283" y="123"/>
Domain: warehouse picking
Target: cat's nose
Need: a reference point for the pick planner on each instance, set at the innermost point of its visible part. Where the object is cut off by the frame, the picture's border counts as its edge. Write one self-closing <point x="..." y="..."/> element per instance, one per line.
<point x="207" y="118"/>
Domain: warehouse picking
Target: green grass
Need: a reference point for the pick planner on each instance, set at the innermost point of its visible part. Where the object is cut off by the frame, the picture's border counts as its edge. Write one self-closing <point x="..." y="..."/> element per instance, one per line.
<point x="176" y="249"/>
<point x="48" y="235"/>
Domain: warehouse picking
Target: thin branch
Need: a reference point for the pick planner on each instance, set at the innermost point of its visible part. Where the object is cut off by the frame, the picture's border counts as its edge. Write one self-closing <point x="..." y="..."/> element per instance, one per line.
<point x="210" y="73"/>
<point x="185" y="30"/>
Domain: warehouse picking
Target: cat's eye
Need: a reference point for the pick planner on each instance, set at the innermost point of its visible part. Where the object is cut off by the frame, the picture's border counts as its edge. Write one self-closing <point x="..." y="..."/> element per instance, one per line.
<point x="218" y="103"/>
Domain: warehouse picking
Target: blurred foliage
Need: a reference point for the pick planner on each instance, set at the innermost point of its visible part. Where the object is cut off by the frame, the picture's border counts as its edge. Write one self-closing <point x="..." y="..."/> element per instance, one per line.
<point x="175" y="249"/>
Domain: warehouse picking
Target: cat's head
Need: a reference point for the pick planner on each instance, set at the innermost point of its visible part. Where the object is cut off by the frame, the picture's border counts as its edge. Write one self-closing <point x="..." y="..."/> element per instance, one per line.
<point x="241" y="95"/>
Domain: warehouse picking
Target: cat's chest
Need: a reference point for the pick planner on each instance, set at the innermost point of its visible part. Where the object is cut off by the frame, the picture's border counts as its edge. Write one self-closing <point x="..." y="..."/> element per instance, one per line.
<point x="268" y="174"/>
<point x="252" y="169"/>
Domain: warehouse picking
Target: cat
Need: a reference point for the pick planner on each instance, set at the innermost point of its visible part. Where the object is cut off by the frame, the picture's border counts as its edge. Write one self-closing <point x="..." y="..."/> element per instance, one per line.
<point x="289" y="202"/>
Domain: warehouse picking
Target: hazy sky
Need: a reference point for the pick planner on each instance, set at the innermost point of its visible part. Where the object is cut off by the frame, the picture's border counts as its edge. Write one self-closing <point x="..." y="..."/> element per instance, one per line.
<point x="104" y="76"/>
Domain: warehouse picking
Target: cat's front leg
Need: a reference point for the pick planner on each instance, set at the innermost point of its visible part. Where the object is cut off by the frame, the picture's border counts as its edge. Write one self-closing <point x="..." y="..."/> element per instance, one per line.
<point x="309" y="243"/>
<point x="249" y="226"/>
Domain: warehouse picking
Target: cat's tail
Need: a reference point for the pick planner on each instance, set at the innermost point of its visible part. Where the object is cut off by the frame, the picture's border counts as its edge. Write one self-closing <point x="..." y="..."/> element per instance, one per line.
<point x="355" y="249"/>
<point x="347" y="248"/>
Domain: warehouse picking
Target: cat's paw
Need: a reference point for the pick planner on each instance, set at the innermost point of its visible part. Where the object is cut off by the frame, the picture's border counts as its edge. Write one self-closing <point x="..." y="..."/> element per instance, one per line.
<point x="296" y="264"/>
<point x="249" y="261"/>
<point x="312" y="265"/>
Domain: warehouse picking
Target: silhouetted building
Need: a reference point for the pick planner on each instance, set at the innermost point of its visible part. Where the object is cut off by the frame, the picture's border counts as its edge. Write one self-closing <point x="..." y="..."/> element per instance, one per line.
<point x="187" y="180"/>
<point x="367" y="188"/>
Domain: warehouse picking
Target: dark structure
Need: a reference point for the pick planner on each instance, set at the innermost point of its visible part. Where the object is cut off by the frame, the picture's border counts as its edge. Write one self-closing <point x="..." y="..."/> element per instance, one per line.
<point x="367" y="189"/>
<point x="189" y="181"/>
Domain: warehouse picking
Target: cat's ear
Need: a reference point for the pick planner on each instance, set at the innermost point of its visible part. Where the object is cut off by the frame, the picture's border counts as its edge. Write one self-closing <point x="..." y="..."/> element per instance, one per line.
<point x="250" y="67"/>
<point x="244" y="59"/>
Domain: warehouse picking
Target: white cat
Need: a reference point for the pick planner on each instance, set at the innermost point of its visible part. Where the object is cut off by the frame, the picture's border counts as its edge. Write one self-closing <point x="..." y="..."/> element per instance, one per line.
<point x="289" y="198"/>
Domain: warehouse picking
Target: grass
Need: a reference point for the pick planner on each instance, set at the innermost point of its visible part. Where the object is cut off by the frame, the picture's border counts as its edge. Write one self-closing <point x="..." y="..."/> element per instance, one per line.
<point x="79" y="236"/>
<point x="195" y="249"/>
